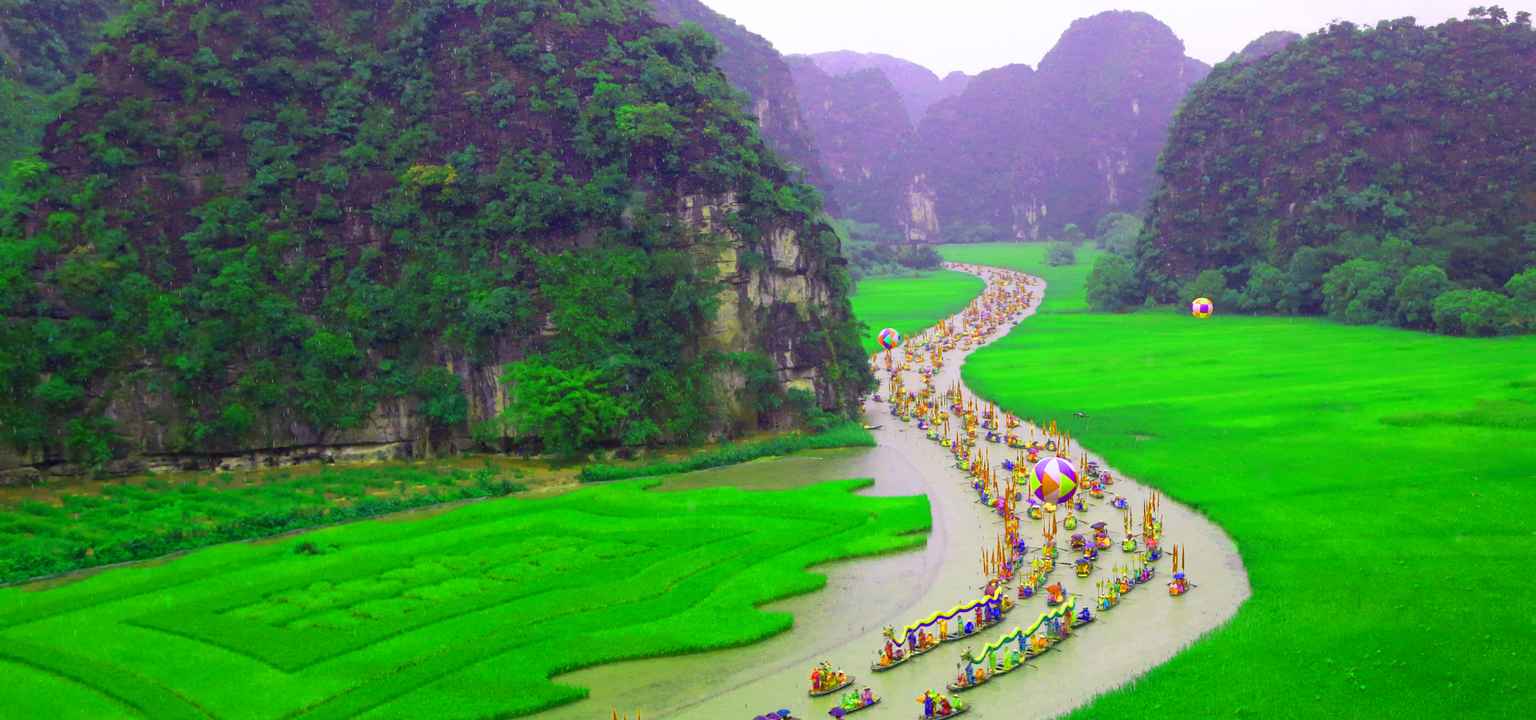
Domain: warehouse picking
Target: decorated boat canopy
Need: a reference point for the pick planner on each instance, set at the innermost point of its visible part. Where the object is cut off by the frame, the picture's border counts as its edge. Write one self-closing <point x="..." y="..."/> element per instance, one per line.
<point x="995" y="599"/>
<point x="1063" y="612"/>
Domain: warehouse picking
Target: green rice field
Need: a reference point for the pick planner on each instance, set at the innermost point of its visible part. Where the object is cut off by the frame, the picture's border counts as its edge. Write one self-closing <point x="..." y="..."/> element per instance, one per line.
<point x="464" y="613"/>
<point x="1378" y="482"/>
<point x="912" y="304"/>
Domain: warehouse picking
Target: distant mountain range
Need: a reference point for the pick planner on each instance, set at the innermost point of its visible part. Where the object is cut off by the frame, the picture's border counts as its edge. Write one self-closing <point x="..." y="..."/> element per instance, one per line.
<point x="1011" y="153"/>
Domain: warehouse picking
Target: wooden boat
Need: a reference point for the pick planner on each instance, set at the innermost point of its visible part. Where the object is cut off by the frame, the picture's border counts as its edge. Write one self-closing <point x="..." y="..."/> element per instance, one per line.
<point x="956" y="688"/>
<point x="846" y="682"/>
<point x="846" y="712"/>
<point x="877" y="667"/>
<point x="960" y="711"/>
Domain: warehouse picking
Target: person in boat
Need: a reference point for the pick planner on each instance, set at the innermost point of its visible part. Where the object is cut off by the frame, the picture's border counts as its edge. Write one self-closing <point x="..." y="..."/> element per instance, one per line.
<point x="867" y="697"/>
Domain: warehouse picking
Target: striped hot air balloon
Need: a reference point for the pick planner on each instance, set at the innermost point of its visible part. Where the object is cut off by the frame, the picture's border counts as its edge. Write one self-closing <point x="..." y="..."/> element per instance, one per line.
<point x="1202" y="308"/>
<point x="1054" y="481"/>
<point x="889" y="338"/>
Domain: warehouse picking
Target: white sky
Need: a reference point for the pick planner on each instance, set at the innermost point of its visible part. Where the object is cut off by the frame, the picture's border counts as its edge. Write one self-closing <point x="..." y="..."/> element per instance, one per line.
<point x="975" y="35"/>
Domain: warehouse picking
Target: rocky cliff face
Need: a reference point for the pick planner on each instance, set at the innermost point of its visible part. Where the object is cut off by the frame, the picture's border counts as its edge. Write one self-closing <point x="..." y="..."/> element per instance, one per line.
<point x="752" y="64"/>
<point x="276" y="231"/>
<point x="861" y="130"/>
<point x="1021" y="153"/>
<point x="918" y="86"/>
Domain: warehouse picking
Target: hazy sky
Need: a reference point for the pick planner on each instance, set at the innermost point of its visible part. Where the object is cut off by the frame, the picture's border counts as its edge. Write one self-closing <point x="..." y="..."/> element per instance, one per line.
<point x="974" y="35"/>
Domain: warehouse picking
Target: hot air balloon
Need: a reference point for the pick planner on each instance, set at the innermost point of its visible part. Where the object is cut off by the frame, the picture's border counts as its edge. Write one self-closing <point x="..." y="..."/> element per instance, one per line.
<point x="1202" y="308"/>
<point x="889" y="338"/>
<point x="1054" y="481"/>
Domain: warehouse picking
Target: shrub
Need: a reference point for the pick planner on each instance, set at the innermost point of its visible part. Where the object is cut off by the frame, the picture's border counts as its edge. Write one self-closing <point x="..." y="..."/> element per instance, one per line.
<point x="1413" y="302"/>
<point x="1357" y="292"/>
<point x="1473" y="312"/>
<point x="1061" y="253"/>
<point x="1112" y="285"/>
<point x="919" y="257"/>
<point x="1522" y="294"/>
<point x="1265" y="291"/>
<point x="1208" y="284"/>
<point x="569" y="411"/>
<point x="1304" y="279"/>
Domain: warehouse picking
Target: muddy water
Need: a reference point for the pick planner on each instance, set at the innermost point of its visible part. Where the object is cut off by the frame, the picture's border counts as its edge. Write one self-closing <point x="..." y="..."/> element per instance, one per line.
<point x="843" y="622"/>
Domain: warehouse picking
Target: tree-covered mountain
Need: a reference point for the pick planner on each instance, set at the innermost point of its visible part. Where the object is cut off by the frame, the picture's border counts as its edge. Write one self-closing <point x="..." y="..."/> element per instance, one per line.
<point x="1023" y="153"/>
<point x="1265" y="45"/>
<point x="1317" y="177"/>
<point x="277" y="225"/>
<point x="918" y="86"/>
<point x="862" y="134"/>
<point x="752" y="64"/>
<point x="43" y="44"/>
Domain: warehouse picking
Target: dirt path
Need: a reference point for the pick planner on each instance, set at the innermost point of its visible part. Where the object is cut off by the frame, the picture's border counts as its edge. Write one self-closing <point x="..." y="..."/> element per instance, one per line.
<point x="843" y="622"/>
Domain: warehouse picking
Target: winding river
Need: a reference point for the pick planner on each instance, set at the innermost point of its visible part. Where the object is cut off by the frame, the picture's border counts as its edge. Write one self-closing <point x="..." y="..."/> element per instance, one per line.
<point x="843" y="622"/>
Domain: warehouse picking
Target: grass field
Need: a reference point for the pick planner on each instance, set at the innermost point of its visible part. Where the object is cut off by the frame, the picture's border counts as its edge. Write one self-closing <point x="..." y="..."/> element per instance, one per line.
<point x="45" y="531"/>
<point x="1379" y="483"/>
<point x="459" y="614"/>
<point x="912" y="304"/>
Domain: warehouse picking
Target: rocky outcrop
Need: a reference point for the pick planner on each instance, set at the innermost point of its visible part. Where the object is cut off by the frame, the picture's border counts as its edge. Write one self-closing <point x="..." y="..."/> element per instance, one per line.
<point x="752" y="64"/>
<point x="1265" y="45"/>
<point x="861" y="131"/>
<point x="342" y="269"/>
<point x="918" y="86"/>
<point x="1022" y="153"/>
<point x="920" y="212"/>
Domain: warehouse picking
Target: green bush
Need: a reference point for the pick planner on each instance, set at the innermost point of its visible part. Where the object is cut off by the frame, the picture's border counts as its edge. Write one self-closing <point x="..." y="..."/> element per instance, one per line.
<point x="1413" y="302"/>
<point x="1062" y="254"/>
<point x="1357" y="292"/>
<point x="1522" y="294"/>
<point x="1265" y="291"/>
<point x="1473" y="312"/>
<point x="1112" y="285"/>
<point x="1208" y="284"/>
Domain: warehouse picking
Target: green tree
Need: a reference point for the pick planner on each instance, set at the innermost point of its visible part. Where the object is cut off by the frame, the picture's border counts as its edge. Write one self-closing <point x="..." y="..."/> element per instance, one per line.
<point x="1210" y="283"/>
<point x="1522" y="294"/>
<point x="1112" y="284"/>
<point x="1357" y="292"/>
<point x="1473" y="312"/>
<point x="1073" y="234"/>
<point x="1061" y="253"/>
<point x="570" y="411"/>
<point x="1117" y="233"/>
<point x="1304" y="279"/>
<point x="1413" y="301"/>
<point x="1265" y="291"/>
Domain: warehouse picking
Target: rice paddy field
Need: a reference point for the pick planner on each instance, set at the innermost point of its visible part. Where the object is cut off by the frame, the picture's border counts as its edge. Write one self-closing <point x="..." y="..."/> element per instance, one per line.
<point x="463" y="613"/>
<point x="1378" y="482"/>
<point x="911" y="304"/>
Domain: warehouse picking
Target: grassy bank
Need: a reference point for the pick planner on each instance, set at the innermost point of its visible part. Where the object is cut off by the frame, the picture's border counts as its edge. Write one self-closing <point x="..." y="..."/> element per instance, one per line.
<point x="845" y="435"/>
<point x="1378" y="483"/>
<point x="472" y="609"/>
<point x="912" y="304"/>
